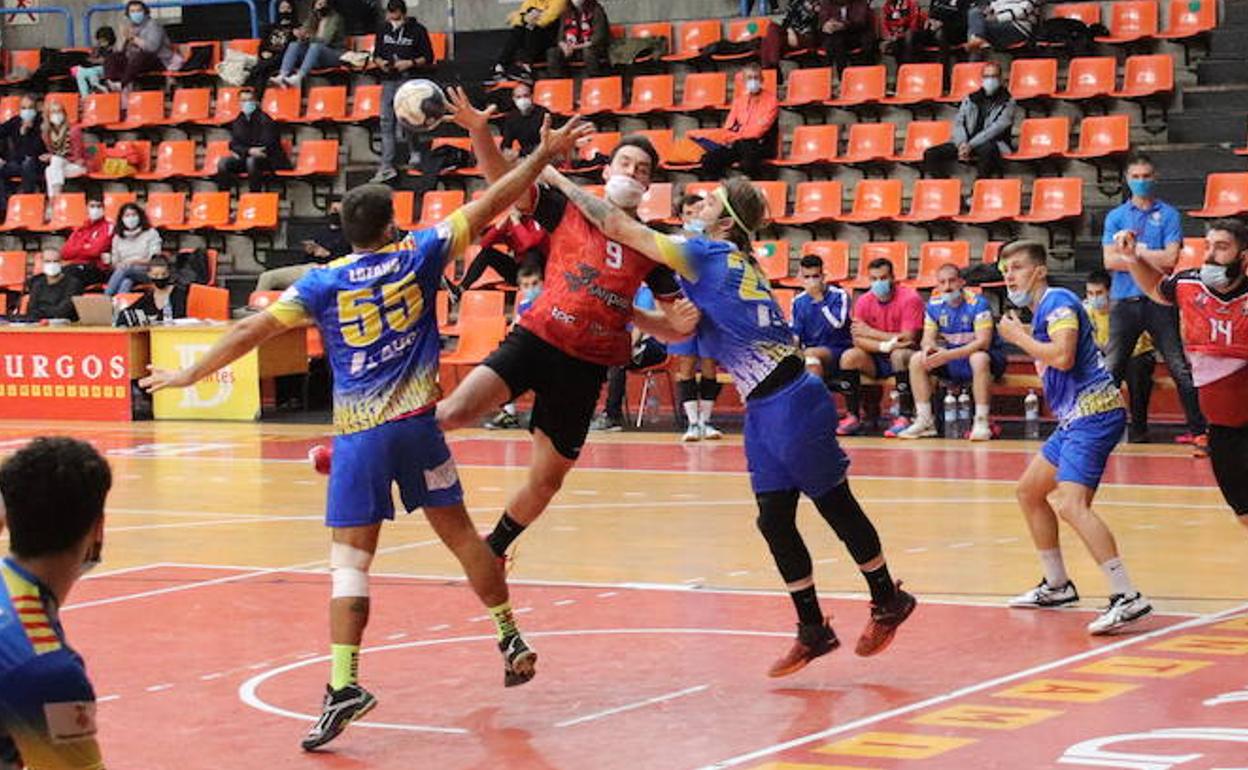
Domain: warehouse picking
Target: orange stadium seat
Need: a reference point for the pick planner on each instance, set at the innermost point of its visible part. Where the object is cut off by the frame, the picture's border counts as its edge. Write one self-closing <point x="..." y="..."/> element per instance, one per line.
<point x="651" y="93"/>
<point x="814" y="202"/>
<point x="316" y="157"/>
<point x="1041" y="138"/>
<point x="282" y="104"/>
<point x="326" y="104"/>
<point x="365" y="104"/>
<point x="69" y="211"/>
<point x="208" y="302"/>
<point x="175" y="158"/>
<point x="835" y="256"/>
<point x="256" y="211"/>
<point x="438" y="205"/>
<point x="1088" y="13"/>
<point x="114" y="200"/>
<point x="602" y="95"/>
<point x="811" y="145"/>
<point x="225" y="107"/>
<point x="190" y="105"/>
<point x="1032" y="79"/>
<point x="917" y="84"/>
<point x="656" y="203"/>
<point x="934" y="200"/>
<point x="966" y="79"/>
<point x="896" y="252"/>
<point x="143" y="109"/>
<point x="994" y="200"/>
<point x="1090" y="77"/>
<point x="875" y="200"/>
<point x="776" y="194"/>
<point x="12" y="270"/>
<point x="808" y="86"/>
<point x="704" y="92"/>
<point x="743" y="31"/>
<point x="1188" y="19"/>
<point x="1131" y="20"/>
<point x="935" y="254"/>
<point x="25" y="213"/>
<point x="1226" y="195"/>
<point x="555" y="95"/>
<point x="860" y="86"/>
<point x="1102" y="136"/>
<point x="869" y="143"/>
<point x="1054" y="199"/>
<point x="214" y="152"/>
<point x="166" y="210"/>
<point x="1192" y="254"/>
<point x="68" y="100"/>
<point x="1146" y="76"/>
<point x="922" y="134"/>
<point x="773" y="258"/>
<point x="9" y="105"/>
<point x="100" y="110"/>
<point x="249" y="46"/>
<point x="208" y="211"/>
<point x="405" y="209"/>
<point x="477" y="305"/>
<point x="691" y="37"/>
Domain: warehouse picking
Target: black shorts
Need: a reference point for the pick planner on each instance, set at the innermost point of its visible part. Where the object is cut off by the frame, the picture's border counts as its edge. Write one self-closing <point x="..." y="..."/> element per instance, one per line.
<point x="565" y="388"/>
<point x="1228" y="453"/>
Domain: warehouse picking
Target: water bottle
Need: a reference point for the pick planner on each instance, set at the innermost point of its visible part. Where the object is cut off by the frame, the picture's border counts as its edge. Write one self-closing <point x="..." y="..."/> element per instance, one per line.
<point x="894" y="404"/>
<point x="964" y="414"/>
<point x="1031" y="415"/>
<point x="652" y="404"/>
<point x="166" y="313"/>
<point x="951" y="416"/>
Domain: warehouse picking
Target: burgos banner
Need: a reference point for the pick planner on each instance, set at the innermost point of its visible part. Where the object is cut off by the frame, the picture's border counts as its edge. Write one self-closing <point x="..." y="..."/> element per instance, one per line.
<point x="64" y="375"/>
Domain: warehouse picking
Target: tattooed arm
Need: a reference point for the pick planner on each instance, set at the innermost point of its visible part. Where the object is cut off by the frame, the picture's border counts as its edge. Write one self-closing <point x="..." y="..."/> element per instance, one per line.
<point x="613" y="222"/>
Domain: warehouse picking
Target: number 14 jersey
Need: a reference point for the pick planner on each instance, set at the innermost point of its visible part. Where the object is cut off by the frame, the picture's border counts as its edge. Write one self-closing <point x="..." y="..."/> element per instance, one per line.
<point x="376" y="315"/>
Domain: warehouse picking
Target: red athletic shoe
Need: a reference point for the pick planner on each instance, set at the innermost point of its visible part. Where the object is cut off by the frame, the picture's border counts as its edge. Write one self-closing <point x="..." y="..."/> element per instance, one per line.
<point x="321" y="457"/>
<point x="900" y="424"/>
<point x="1200" y="445"/>
<point x="848" y="426"/>
<point x="884" y="621"/>
<point x="812" y="642"/>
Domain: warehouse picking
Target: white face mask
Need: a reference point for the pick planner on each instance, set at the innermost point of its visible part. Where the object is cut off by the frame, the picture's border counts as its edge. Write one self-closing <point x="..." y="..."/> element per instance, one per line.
<point x="991" y="85"/>
<point x="523" y="104"/>
<point x="753" y="85"/>
<point x="56" y="118"/>
<point x="95" y="213"/>
<point x="130" y="221"/>
<point x="624" y="191"/>
<point x="51" y="269"/>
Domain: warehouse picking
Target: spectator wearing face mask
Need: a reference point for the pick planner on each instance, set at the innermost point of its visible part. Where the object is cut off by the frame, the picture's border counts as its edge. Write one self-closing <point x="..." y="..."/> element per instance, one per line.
<point x="135" y="242"/>
<point x="1139" y="377"/>
<point x="163" y="302"/>
<point x="278" y="36"/>
<point x="66" y="157"/>
<point x="255" y="146"/>
<point x="517" y="242"/>
<point x="90" y="76"/>
<point x="85" y="253"/>
<point x="52" y="292"/>
<point x="981" y="130"/>
<point x="318" y="43"/>
<point x="749" y="133"/>
<point x="21" y="145"/>
<point x="585" y="36"/>
<point x="402" y="51"/>
<point x="821" y="320"/>
<point x="522" y="127"/>
<point x="146" y="48"/>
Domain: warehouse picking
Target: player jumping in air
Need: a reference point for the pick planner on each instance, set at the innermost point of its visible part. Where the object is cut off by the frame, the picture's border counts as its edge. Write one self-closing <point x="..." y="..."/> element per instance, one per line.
<point x="790" y="420"/>
<point x="375" y="311"/>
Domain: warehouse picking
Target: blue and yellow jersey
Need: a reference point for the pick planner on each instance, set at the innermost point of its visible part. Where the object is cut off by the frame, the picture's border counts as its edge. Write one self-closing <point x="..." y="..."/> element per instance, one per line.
<point x="1086" y="388"/>
<point x="742" y="327"/>
<point x="957" y="325"/>
<point x="376" y="316"/>
<point x="824" y="323"/>
<point x="47" y="705"/>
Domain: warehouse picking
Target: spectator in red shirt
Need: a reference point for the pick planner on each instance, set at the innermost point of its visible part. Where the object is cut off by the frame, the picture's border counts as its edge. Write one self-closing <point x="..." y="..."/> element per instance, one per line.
<point x="749" y="133"/>
<point x="888" y="324"/>
<point x="522" y="236"/>
<point x="85" y="254"/>
<point x="903" y="29"/>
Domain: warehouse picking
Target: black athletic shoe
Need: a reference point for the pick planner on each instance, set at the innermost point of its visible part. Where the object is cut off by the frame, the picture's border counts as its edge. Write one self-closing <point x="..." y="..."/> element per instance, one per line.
<point x="813" y="640"/>
<point x="342" y="707"/>
<point x="519" y="661"/>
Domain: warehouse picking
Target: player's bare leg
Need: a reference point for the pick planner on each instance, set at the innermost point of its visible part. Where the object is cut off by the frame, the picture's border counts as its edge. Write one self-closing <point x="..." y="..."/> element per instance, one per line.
<point x="547" y="471"/>
<point x="1056" y="589"/>
<point x="455" y="529"/>
<point x="480" y="392"/>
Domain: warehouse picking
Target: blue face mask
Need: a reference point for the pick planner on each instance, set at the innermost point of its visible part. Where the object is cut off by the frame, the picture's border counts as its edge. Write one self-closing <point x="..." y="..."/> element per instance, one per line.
<point x="882" y="288"/>
<point x="27" y="115"/>
<point x="247" y="107"/>
<point x="1142" y="188"/>
<point x="695" y="227"/>
<point x="953" y="297"/>
<point x="136" y="17"/>
<point x="1098" y="303"/>
<point x="531" y="293"/>
<point x="1020" y="298"/>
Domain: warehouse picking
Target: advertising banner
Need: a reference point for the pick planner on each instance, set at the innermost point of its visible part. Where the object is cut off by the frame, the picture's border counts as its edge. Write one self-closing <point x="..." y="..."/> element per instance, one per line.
<point x="233" y="393"/>
<point x="50" y="375"/>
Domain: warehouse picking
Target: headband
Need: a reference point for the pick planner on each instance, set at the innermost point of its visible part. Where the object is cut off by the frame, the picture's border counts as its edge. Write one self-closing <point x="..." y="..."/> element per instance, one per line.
<point x="723" y="197"/>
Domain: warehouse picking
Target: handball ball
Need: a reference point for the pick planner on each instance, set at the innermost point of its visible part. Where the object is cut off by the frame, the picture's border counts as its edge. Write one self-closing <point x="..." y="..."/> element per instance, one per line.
<point x="420" y="104"/>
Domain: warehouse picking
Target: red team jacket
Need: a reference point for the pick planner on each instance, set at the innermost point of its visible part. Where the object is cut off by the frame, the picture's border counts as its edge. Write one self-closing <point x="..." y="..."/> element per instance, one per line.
<point x="586" y="304"/>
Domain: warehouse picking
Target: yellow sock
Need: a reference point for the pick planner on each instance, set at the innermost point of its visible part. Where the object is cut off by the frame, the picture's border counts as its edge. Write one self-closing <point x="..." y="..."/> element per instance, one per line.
<point x="504" y="621"/>
<point x="346" y="665"/>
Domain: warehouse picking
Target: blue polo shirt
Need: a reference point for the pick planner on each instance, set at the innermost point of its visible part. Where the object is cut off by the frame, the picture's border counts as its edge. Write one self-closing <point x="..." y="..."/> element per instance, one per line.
<point x="1156" y="228"/>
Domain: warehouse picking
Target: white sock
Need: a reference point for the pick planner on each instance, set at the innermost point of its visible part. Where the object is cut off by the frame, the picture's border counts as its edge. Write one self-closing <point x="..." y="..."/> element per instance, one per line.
<point x="923" y="411"/>
<point x="510" y="409"/>
<point x="981" y="412"/>
<point x="1119" y="580"/>
<point x="1054" y="568"/>
<point x="704" y="412"/>
<point x="691" y="412"/>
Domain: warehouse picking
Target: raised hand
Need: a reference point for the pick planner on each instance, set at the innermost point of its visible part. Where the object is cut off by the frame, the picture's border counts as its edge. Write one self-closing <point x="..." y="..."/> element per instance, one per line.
<point x="559" y="142"/>
<point x="159" y="379"/>
<point x="461" y="111"/>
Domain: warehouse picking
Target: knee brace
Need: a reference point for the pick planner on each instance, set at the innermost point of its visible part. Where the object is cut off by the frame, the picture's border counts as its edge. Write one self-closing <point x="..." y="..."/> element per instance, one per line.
<point x="841" y="510"/>
<point x="687" y="390"/>
<point x="777" y="520"/>
<point x="348" y="569"/>
<point x="708" y="390"/>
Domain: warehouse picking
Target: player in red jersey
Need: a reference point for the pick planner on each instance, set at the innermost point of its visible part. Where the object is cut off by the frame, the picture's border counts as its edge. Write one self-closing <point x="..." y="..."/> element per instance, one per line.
<point x="1213" y="306"/>
<point x="577" y="328"/>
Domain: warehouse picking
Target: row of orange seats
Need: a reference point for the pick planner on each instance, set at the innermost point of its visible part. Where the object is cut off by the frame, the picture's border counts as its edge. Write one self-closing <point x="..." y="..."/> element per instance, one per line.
<point x="17" y="266"/>
<point x="167" y="211"/>
<point x="1091" y="77"/>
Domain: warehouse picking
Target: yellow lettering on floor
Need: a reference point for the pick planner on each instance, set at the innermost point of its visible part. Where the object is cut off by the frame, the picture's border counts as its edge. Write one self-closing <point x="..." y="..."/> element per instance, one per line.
<point x="1066" y="690"/>
<point x="895" y="745"/>
<point x="986" y="717"/>
<point x="1205" y="643"/>
<point x="1153" y="668"/>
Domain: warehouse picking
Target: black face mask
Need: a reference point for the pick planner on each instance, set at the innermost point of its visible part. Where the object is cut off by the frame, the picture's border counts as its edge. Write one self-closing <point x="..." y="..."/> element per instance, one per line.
<point x="161" y="283"/>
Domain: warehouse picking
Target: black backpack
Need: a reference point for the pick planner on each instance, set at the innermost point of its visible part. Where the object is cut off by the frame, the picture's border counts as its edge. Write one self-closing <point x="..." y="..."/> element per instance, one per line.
<point x="191" y="266"/>
<point x="1070" y="36"/>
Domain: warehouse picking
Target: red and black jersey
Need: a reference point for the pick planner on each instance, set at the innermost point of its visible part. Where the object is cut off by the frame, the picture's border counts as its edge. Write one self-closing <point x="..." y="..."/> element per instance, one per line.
<point x="1215" y="336"/>
<point x="586" y="304"/>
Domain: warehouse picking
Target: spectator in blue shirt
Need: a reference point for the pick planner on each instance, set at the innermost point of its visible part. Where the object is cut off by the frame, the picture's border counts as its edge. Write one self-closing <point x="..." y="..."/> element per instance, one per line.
<point x="1150" y="229"/>
<point x="821" y="319"/>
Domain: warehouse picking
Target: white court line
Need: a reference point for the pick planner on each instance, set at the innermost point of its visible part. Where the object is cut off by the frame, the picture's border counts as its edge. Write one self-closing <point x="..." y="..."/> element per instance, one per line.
<point x="633" y="706"/>
<point x="675" y="587"/>
<point x="212" y="523"/>
<point x="971" y="689"/>
<point x="121" y="571"/>
<point x="254" y="572"/>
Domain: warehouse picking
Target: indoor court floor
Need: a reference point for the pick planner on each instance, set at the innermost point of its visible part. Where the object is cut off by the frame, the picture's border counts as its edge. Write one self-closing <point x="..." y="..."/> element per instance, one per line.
<point x="655" y="608"/>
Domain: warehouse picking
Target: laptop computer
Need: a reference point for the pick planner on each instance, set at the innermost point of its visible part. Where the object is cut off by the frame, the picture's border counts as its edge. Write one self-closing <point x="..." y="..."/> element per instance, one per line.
<point x="94" y="310"/>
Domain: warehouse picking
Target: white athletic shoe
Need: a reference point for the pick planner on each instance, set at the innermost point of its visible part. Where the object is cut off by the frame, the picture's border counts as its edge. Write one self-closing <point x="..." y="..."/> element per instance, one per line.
<point x="1044" y="595"/>
<point x="694" y="433"/>
<point x="981" y="431"/>
<point x="711" y="433"/>
<point x="919" y="429"/>
<point x="1122" y="611"/>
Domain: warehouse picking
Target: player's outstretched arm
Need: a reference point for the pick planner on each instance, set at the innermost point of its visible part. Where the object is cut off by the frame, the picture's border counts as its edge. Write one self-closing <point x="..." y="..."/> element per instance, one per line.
<point x="672" y="322"/>
<point x="613" y="222"/>
<point x="477" y="123"/>
<point x="241" y="339"/>
<point x="500" y="195"/>
<point x="1147" y="277"/>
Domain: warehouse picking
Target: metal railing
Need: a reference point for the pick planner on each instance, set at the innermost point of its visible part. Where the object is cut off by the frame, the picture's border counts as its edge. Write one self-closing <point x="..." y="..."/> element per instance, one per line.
<point x="69" y="18"/>
<point x="92" y="10"/>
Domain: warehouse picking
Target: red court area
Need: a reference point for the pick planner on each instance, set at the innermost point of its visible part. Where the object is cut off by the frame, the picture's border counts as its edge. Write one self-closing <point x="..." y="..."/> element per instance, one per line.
<point x="210" y="667"/>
